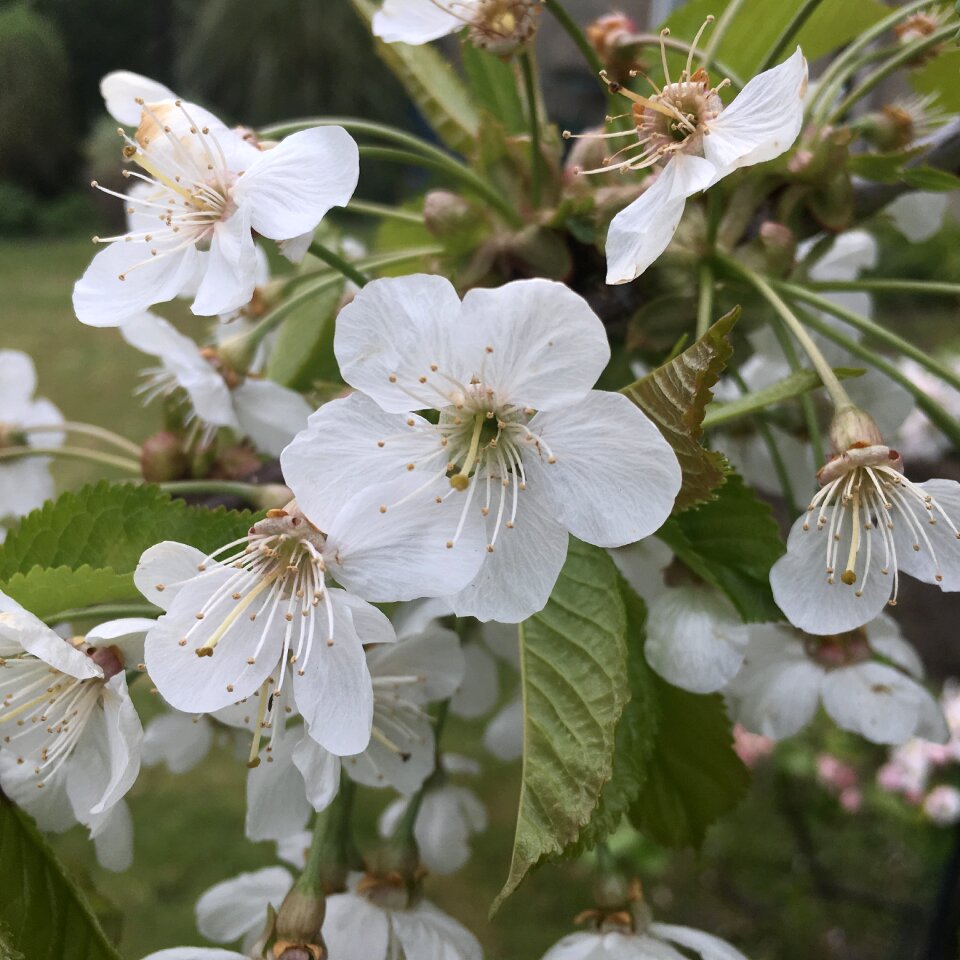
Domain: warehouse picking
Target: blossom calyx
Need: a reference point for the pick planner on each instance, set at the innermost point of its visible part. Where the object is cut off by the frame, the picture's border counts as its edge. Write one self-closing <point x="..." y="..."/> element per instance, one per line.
<point x="298" y="925"/>
<point x="503" y="27"/>
<point x="853" y="428"/>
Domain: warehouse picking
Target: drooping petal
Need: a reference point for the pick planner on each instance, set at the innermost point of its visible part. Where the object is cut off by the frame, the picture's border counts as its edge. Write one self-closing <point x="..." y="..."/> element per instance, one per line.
<point x="354" y="929"/>
<point x="883" y="634"/>
<point x="177" y="739"/>
<point x="639" y="233"/>
<point x="695" y="639"/>
<point x="390" y="336"/>
<point x="269" y="414"/>
<point x="504" y="734"/>
<point x="289" y="189"/>
<point x="37" y="638"/>
<point x="433" y="656"/>
<point x="478" y="690"/>
<point x="614" y="478"/>
<point x="112" y="835"/>
<point x="706" y="945"/>
<point x="801" y="584"/>
<point x="352" y="442"/>
<point x="373" y="626"/>
<point x="230" y="276"/>
<point x="276" y="800"/>
<point x="18" y="380"/>
<point x="416" y="22"/>
<point x="102" y="299"/>
<point x="534" y="342"/>
<point x="50" y="807"/>
<point x="763" y="121"/>
<point x="930" y="529"/>
<point x="401" y="753"/>
<point x="320" y="770"/>
<point x="121" y="89"/>
<point x="919" y="214"/>
<point x="642" y="564"/>
<point x="228" y="910"/>
<point x="425" y="931"/>
<point x="447" y="818"/>
<point x="515" y="580"/>
<point x="401" y="553"/>
<point x="164" y="569"/>
<point x="122" y="736"/>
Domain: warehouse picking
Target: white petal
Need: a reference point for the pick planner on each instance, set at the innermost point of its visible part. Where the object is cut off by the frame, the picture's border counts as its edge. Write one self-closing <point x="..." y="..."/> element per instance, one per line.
<point x="516" y="580"/>
<point x="179" y="740"/>
<point x="705" y="944"/>
<point x="296" y="248"/>
<point x="269" y="414"/>
<point x="642" y="564"/>
<point x="885" y="638"/>
<point x="585" y="946"/>
<point x="164" y="569"/>
<point x="504" y="734"/>
<point x="447" y="819"/>
<point x="290" y="188"/>
<point x="228" y="910"/>
<point x="354" y="929"/>
<point x="537" y="342"/>
<point x="390" y="336"/>
<point x="779" y="698"/>
<point x="195" y="953"/>
<point x="320" y="770"/>
<point x="919" y="215"/>
<point x="18" y="380"/>
<point x="639" y="233"/>
<point x="764" y="119"/>
<point x="113" y="838"/>
<point x="405" y="762"/>
<point x="126" y="635"/>
<point x="24" y="486"/>
<point x="294" y="849"/>
<point x="121" y="89"/>
<point x="37" y="638"/>
<point x="800" y="580"/>
<point x="695" y="639"/>
<point x="940" y="532"/>
<point x="123" y="734"/>
<point x="372" y="625"/>
<point x="402" y="553"/>
<point x="230" y="275"/>
<point x="101" y="299"/>
<point x="334" y="692"/>
<point x="849" y="255"/>
<point x="433" y="656"/>
<point x="276" y="800"/>
<point x="615" y="478"/>
<point x="427" y="932"/>
<point x="478" y="690"/>
<point x="417" y="21"/>
<point x="50" y="807"/>
<point x="339" y="451"/>
<point x="414" y="617"/>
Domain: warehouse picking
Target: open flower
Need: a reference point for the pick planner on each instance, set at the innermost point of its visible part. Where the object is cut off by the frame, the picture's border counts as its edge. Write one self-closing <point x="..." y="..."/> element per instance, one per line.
<point x="523" y="450"/>
<point x="266" y="412"/>
<point x="24" y="484"/>
<point x="867" y="680"/>
<point x="686" y="128"/>
<point x="867" y="523"/>
<point x="69" y="734"/>
<point x="201" y="191"/>
<point x="236" y="619"/>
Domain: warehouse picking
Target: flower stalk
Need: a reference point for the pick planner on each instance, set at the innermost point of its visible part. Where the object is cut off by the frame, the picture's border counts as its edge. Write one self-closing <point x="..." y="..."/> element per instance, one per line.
<point x="72" y="453"/>
<point x="328" y="256"/>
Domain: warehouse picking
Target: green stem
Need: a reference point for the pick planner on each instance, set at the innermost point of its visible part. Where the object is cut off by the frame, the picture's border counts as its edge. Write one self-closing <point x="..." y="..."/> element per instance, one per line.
<point x="88" y="430"/>
<point x="904" y="55"/>
<point x="705" y="302"/>
<point x="251" y="492"/>
<point x="331" y="852"/>
<point x="576" y="35"/>
<point x="929" y="287"/>
<point x="532" y="95"/>
<point x="467" y="177"/>
<point x="367" y="208"/>
<point x="937" y="414"/>
<point x="873" y="329"/>
<point x="72" y="453"/>
<point x="328" y="256"/>
<point x="103" y="612"/>
<point x="793" y="28"/>
<point x="838" y="396"/>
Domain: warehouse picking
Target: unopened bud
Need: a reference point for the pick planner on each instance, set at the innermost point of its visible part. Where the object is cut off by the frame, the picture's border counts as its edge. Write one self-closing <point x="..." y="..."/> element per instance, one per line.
<point x="236" y="463"/>
<point x="163" y="458"/>
<point x="272" y="495"/>
<point x="891" y="128"/>
<point x="299" y="920"/>
<point x="446" y="213"/>
<point x="539" y="252"/>
<point x="852" y="427"/>
<point x="918" y="27"/>
<point x="779" y="246"/>
<point x="502" y="27"/>
<point x="609" y="35"/>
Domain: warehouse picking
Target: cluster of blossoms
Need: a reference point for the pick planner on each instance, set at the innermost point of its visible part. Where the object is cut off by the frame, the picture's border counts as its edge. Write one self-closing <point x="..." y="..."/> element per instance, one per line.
<point x="441" y="486"/>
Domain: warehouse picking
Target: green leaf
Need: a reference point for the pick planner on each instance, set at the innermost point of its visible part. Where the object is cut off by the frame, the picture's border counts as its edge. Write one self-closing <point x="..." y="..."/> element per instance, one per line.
<point x="694" y="775"/>
<point x="574" y="677"/>
<point x="731" y="542"/>
<point x="675" y="397"/>
<point x="493" y="87"/>
<point x="43" y="913"/>
<point x="432" y="84"/>
<point x="635" y="737"/>
<point x="929" y="178"/>
<point x="881" y="167"/>
<point x="303" y="350"/>
<point x="794" y="385"/>
<point x="110" y="525"/>
<point x="45" y="591"/>
<point x="939" y="76"/>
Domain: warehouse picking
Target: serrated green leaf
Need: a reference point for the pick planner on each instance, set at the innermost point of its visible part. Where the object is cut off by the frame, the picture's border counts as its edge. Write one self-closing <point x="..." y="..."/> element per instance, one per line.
<point x="42" y="911"/>
<point x="635" y="737"/>
<point x="929" y="178"/>
<point x="694" y="775"/>
<point x="303" y="350"/>
<point x="45" y="591"/>
<point x="493" y="86"/>
<point x="731" y="542"/>
<point x="794" y="385"/>
<point x="675" y="397"/>
<point x="110" y="525"/>
<point x="573" y="663"/>
<point x="431" y="83"/>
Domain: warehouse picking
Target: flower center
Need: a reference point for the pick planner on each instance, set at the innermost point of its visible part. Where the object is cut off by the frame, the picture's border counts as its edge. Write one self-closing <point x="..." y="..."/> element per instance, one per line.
<point x="839" y="650"/>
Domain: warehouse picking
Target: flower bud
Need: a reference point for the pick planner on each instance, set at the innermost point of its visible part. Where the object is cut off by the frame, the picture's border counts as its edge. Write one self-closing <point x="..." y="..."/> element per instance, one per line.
<point x="917" y="27"/>
<point x="273" y="495"/>
<point x="779" y="247"/>
<point x="236" y="463"/>
<point x="446" y="213"/>
<point x="502" y="27"/>
<point x="609" y="35"/>
<point x="852" y="427"/>
<point x="298" y="925"/>
<point x="163" y="458"/>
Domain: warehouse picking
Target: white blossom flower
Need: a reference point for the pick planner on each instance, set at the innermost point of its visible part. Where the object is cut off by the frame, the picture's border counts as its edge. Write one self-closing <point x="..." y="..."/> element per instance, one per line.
<point x="917" y="438"/>
<point x="657" y="941"/>
<point x="69" y="734"/>
<point x="866" y="524"/>
<point x="378" y="919"/>
<point x="867" y="680"/>
<point x="266" y="412"/>
<point x="523" y="450"/>
<point x="686" y="127"/>
<point x="942" y="805"/>
<point x="919" y="214"/>
<point x="203" y="191"/>
<point x="234" y="624"/>
<point x="237" y="908"/>
<point x="24" y="484"/>
<point x="449" y="815"/>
